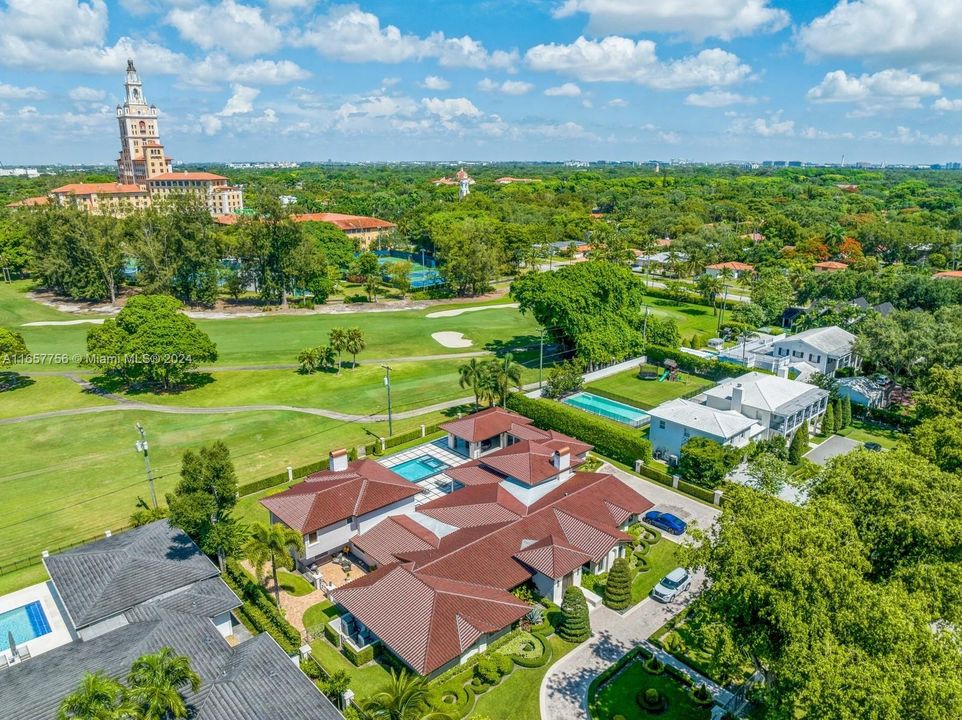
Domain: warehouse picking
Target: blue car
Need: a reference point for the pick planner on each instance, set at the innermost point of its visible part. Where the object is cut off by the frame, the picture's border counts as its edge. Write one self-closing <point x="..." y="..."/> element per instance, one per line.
<point x="666" y="521"/>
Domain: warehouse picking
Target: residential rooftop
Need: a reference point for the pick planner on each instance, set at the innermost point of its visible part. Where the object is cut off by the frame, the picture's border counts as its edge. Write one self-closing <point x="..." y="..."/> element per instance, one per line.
<point x="709" y="420"/>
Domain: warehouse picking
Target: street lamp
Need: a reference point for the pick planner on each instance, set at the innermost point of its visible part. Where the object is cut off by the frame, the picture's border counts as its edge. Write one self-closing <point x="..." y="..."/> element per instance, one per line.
<point x="142" y="447"/>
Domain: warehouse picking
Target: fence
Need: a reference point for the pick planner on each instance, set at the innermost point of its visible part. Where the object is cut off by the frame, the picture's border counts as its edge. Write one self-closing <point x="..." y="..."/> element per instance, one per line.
<point x="713" y="497"/>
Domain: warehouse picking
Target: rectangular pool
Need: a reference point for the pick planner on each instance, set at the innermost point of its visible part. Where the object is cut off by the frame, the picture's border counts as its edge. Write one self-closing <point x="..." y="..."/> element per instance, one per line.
<point x="26" y="623"/>
<point x="419" y="468"/>
<point x="611" y="409"/>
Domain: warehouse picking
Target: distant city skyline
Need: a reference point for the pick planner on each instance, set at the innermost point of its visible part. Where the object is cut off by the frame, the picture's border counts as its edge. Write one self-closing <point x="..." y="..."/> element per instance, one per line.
<point x="876" y="81"/>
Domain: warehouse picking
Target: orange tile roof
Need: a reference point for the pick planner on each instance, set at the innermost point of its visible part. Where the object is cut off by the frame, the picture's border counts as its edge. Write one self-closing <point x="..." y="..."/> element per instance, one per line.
<point x="98" y="189"/>
<point x="484" y="424"/>
<point x="187" y="176"/>
<point x="830" y="265"/>
<point x="30" y="201"/>
<point x="345" y="222"/>
<point x="949" y="274"/>
<point x="733" y="265"/>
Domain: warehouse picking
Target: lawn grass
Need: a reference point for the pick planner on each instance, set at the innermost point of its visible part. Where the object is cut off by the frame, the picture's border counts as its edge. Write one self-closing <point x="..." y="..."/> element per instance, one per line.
<point x="618" y="697"/>
<point x="365" y="681"/>
<point x="662" y="559"/>
<point x="40" y="394"/>
<point x="864" y="432"/>
<point x="16" y="308"/>
<point x="690" y="318"/>
<point x="518" y="697"/>
<point x="320" y="614"/>
<point x="294" y="584"/>
<point x="647" y="394"/>
<point x="23" y="578"/>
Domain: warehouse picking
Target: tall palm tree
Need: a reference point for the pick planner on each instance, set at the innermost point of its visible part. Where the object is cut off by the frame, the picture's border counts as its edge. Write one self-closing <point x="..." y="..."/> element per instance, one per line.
<point x="273" y="544"/>
<point x="156" y="685"/>
<point x="471" y="375"/>
<point x="338" y="340"/>
<point x="99" y="697"/>
<point x="326" y="356"/>
<point x="355" y="344"/>
<point x="505" y="375"/>
<point x="405" y="698"/>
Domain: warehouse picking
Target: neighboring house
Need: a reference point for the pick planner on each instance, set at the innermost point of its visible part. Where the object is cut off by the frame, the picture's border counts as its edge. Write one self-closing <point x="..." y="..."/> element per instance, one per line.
<point x="660" y="262"/>
<point x="736" y="269"/>
<point x="778" y="404"/>
<point x="149" y="588"/>
<point x="826" y="349"/>
<point x="829" y="266"/>
<point x="367" y="231"/>
<point x="864" y="391"/>
<point x="884" y="309"/>
<point x="329" y="508"/>
<point x="675" y="422"/>
<point x="948" y="275"/>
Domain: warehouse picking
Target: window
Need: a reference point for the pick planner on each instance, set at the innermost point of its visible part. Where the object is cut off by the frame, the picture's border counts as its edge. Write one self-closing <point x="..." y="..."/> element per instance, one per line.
<point x="312" y="537"/>
<point x="661" y="424"/>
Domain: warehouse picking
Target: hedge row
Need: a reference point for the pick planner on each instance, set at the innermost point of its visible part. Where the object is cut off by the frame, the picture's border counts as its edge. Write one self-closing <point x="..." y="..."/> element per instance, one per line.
<point x="610" y="439"/>
<point x="655" y="474"/>
<point x="332" y="635"/>
<point x="704" y="367"/>
<point x="358" y="657"/>
<point x="886" y="417"/>
<point x="697" y="491"/>
<point x="259" y="608"/>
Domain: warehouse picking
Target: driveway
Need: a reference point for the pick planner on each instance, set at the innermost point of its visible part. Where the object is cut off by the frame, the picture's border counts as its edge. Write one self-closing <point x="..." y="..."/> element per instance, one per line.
<point x="665" y="499"/>
<point x="833" y="447"/>
<point x="564" y="690"/>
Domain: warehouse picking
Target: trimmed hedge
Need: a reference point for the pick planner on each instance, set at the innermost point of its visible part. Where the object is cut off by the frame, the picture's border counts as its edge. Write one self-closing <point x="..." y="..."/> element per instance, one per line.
<point x="654" y="474"/>
<point x="610" y="439"/>
<point x="259" y="609"/>
<point x="711" y="369"/>
<point x="358" y="657"/>
<point x="695" y="491"/>
<point x="332" y="635"/>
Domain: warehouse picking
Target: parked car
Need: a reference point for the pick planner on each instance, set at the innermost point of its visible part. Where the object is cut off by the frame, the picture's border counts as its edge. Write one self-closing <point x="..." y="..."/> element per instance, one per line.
<point x="873" y="447"/>
<point x="672" y="585"/>
<point x="666" y="521"/>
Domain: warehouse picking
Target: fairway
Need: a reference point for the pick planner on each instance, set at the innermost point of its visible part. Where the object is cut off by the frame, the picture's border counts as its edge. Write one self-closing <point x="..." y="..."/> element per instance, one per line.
<point x="690" y="318"/>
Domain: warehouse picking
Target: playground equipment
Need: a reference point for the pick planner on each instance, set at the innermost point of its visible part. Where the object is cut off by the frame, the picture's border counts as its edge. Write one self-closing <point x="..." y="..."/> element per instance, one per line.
<point x="671" y="371"/>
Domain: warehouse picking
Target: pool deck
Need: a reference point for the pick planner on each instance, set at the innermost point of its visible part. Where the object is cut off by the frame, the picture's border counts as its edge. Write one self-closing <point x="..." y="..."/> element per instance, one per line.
<point x="437" y="449"/>
<point x="59" y="634"/>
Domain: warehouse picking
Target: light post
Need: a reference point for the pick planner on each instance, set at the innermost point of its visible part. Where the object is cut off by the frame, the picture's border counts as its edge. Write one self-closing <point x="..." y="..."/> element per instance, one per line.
<point x="142" y="447"/>
<point x="387" y="383"/>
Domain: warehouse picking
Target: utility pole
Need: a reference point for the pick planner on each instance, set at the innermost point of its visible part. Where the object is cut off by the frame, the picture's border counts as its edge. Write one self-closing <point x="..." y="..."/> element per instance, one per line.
<point x="141" y="446"/>
<point x="644" y="329"/>
<point x="387" y="383"/>
<point x="721" y="312"/>
<point x="541" y="359"/>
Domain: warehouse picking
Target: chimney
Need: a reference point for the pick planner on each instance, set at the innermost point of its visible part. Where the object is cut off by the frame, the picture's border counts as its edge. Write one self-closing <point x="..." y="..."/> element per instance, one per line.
<point x="338" y="460"/>
<point x="561" y="458"/>
<point x="737" y="397"/>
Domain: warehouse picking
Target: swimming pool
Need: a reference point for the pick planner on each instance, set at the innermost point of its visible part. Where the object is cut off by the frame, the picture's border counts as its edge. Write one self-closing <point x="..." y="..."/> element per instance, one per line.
<point x="26" y="623"/>
<point x="420" y="467"/>
<point x="611" y="409"/>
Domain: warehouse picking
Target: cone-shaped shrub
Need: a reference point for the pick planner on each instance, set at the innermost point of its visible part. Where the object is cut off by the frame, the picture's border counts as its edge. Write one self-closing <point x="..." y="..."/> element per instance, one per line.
<point x="618" y="587"/>
<point x="575" y="624"/>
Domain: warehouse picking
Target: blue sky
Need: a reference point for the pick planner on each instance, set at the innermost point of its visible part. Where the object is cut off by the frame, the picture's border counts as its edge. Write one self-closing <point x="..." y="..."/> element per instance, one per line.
<point x="873" y="80"/>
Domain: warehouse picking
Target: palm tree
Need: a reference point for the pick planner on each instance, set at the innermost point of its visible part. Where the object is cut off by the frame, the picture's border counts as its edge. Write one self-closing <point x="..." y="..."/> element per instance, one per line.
<point x="405" y="698"/>
<point x="355" y="344"/>
<point x="157" y="682"/>
<point x="326" y="356"/>
<point x="505" y="375"/>
<point x="338" y="340"/>
<point x="274" y="544"/>
<point x="471" y="375"/>
<point x="99" y="697"/>
<point x="710" y="288"/>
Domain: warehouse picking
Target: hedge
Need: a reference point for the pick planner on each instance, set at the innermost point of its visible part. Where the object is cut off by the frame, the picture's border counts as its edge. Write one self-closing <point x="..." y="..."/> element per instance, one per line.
<point x="332" y="636"/>
<point x="610" y="439"/>
<point x="897" y="419"/>
<point x="711" y="369"/>
<point x="697" y="491"/>
<point x="358" y="657"/>
<point x="259" y="608"/>
<point x="656" y="475"/>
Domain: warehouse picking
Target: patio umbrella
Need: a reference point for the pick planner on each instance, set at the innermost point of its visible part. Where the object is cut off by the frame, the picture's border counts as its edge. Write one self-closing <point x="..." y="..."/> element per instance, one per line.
<point x="12" y="644"/>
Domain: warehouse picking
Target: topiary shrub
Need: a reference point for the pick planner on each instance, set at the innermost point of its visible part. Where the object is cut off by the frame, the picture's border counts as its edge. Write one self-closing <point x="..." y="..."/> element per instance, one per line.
<point x="575" y="623"/>
<point x="649" y="534"/>
<point x="654" y="666"/>
<point x="651" y="700"/>
<point x="618" y="587"/>
<point x="702" y="696"/>
<point x="486" y="671"/>
<point x="641" y="562"/>
<point x="642" y="546"/>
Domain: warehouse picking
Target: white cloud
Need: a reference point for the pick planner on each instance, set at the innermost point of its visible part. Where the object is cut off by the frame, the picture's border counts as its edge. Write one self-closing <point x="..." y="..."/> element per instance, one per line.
<point x="562" y="131"/>
<point x="82" y="93"/>
<point x="450" y="108"/>
<point x="378" y="106"/>
<point x="12" y="92"/>
<point x="884" y="90"/>
<point x="508" y="87"/>
<point x="350" y="34"/>
<point x="216" y="69"/>
<point x="945" y="104"/>
<point x="433" y="82"/>
<point x="619" y="59"/>
<point x="57" y="23"/>
<point x="241" y="101"/>
<point x="27" y="111"/>
<point x="563" y="90"/>
<point x="696" y="19"/>
<point x="617" y="103"/>
<point x="239" y="29"/>
<point x="670" y="137"/>
<point x="914" y="32"/>
<point x="211" y="124"/>
<point x="764" y="127"/>
<point x="718" y="98"/>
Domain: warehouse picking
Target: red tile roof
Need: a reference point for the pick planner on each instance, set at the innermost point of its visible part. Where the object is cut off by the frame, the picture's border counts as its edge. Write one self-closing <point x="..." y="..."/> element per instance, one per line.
<point x="484" y="424"/>
<point x="733" y="265"/>
<point x="98" y="189"/>
<point x="427" y="621"/>
<point x="552" y="556"/>
<point x="527" y="461"/>
<point x="187" y="176"/>
<point x="398" y="533"/>
<point x="949" y="274"/>
<point x="328" y="497"/>
<point x="487" y="504"/>
<point x="830" y="265"/>
<point x="346" y="222"/>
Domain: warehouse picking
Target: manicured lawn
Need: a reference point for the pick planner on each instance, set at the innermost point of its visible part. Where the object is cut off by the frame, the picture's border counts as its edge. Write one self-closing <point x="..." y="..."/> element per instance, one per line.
<point x="320" y="614"/>
<point x="646" y="394"/>
<point x="365" y="681"/>
<point x="23" y="578"/>
<point x="16" y="308"/>
<point x="662" y="559"/>
<point x="294" y="584"/>
<point x="864" y="432"/>
<point x="690" y="318"/>
<point x="42" y="394"/>
<point x="518" y="695"/>
<point x="618" y="697"/>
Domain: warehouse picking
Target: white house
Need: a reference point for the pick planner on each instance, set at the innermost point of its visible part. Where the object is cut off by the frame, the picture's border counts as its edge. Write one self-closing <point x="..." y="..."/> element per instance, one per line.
<point x="674" y="422"/>
<point x="826" y="349"/>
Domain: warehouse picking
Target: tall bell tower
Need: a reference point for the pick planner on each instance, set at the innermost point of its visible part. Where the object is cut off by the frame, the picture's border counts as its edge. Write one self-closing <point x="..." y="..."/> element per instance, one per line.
<point x="141" y="152"/>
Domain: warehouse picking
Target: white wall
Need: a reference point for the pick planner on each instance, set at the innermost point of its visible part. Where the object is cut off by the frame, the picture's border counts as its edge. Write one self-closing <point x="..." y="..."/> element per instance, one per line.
<point x="672" y="436"/>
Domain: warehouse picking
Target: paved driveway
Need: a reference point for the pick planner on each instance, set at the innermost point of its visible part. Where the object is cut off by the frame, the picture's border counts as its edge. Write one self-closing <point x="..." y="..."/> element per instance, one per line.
<point x="833" y="447"/>
<point x="564" y="690"/>
<point x="667" y="500"/>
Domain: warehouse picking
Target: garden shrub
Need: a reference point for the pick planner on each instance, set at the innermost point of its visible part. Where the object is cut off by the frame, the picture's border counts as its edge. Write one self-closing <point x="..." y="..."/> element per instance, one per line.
<point x="504" y="664"/>
<point x="642" y="546"/>
<point x="702" y="696"/>
<point x="618" y="587"/>
<point x="654" y="666"/>
<point x="332" y="636"/>
<point x="575" y="623"/>
<point x="651" y="700"/>
<point x="649" y="534"/>
<point x="486" y="671"/>
<point x="358" y="657"/>
<point x="641" y="562"/>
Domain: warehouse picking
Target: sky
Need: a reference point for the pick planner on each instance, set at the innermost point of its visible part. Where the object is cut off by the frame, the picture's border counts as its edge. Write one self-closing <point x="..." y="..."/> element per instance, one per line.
<point x="308" y="80"/>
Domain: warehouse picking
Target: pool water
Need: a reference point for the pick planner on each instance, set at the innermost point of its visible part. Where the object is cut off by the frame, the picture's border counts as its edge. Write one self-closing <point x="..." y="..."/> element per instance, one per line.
<point x="611" y="409"/>
<point x="419" y="468"/>
<point x="26" y="623"/>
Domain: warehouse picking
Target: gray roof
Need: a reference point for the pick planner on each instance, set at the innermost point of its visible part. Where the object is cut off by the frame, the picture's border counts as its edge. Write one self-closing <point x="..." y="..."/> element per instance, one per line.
<point x="831" y="340"/>
<point x="105" y="578"/>
<point x="255" y="680"/>
<point x="719" y="423"/>
<point x="769" y="392"/>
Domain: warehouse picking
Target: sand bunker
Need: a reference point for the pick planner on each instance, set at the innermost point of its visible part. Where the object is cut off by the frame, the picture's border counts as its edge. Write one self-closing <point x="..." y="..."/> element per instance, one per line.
<point x="451" y="339"/>
<point x="99" y="321"/>
<point x="461" y="311"/>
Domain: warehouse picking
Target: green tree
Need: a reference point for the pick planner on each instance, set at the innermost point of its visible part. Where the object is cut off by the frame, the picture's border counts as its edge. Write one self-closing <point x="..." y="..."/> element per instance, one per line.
<point x="150" y="339"/>
<point x="473" y="374"/>
<point x="706" y="463"/>
<point x="505" y="375"/>
<point x="710" y="288"/>
<point x="846" y="411"/>
<point x="269" y="244"/>
<point x="828" y="420"/>
<point x="405" y="698"/>
<point x="773" y="293"/>
<point x="799" y="444"/>
<point x="336" y="684"/>
<point x="939" y="440"/>
<point x="941" y="393"/>
<point x="564" y="378"/>
<point x="338" y="341"/>
<point x="156" y="685"/>
<point x="354" y="344"/>
<point x="469" y="252"/>
<point x="273" y="544"/>
<point x="618" y="585"/>
<point x="203" y="499"/>
<point x="768" y="473"/>
<point x="369" y="269"/>
<point x="575" y="622"/>
<point x="99" y="697"/>
<point x="309" y="360"/>
<point x="12" y="346"/>
<point x="399" y="272"/>
<point x="837" y="408"/>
